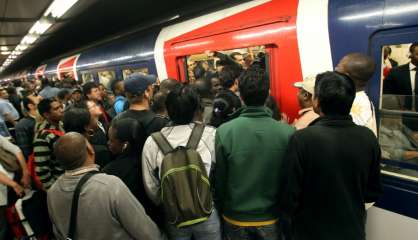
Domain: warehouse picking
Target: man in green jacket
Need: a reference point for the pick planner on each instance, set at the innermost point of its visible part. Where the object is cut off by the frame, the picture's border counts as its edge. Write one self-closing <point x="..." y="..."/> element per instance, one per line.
<point x="249" y="155"/>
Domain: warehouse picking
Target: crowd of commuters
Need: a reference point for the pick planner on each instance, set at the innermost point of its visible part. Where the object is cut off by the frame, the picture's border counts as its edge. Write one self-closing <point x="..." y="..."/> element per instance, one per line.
<point x="211" y="159"/>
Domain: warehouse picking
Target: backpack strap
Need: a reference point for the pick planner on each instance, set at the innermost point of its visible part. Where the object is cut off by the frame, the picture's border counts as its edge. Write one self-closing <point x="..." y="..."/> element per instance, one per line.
<point x="162" y="142"/>
<point x="195" y="136"/>
<point x="74" y="205"/>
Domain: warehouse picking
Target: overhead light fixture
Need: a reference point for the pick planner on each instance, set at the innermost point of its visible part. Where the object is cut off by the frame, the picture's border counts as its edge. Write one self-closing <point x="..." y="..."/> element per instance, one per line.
<point x="12" y="56"/>
<point x="4" y="48"/>
<point x="40" y="26"/>
<point x="5" y="52"/>
<point x="21" y="47"/>
<point x="16" y="52"/>
<point x="29" y="39"/>
<point x="59" y="7"/>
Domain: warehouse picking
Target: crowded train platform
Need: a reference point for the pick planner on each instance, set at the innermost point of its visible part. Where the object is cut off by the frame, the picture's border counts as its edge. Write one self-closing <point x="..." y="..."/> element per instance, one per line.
<point x="240" y="121"/>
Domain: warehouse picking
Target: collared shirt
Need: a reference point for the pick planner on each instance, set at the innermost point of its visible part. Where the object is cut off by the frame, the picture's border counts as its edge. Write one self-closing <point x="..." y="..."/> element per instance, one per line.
<point x="363" y="113"/>
<point x="306" y="116"/>
<point x="412" y="72"/>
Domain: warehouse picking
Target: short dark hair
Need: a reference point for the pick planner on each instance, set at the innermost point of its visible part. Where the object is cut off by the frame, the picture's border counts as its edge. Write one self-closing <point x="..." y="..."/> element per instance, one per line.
<point x="254" y="86"/>
<point x="44" y="105"/>
<point x="168" y="85"/>
<point x="412" y="47"/>
<point x="335" y="93"/>
<point x="76" y="119"/>
<point x="88" y="86"/>
<point x="199" y="71"/>
<point x="65" y="154"/>
<point x="182" y="104"/>
<point x="62" y="93"/>
<point x="203" y="88"/>
<point x="25" y="102"/>
<point x="158" y="103"/>
<point x="225" y="103"/>
<point x="129" y="130"/>
<point x="113" y="84"/>
<point x="272" y="105"/>
<point x="228" y="75"/>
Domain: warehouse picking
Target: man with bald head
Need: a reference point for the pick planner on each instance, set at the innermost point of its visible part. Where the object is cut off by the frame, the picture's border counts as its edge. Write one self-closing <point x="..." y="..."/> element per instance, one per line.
<point x="360" y="68"/>
<point x="106" y="207"/>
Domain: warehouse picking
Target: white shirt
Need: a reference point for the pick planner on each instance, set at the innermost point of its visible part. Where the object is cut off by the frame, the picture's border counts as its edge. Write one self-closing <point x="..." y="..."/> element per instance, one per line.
<point x="412" y="75"/>
<point x="8" y="146"/>
<point x="363" y="112"/>
<point x="152" y="156"/>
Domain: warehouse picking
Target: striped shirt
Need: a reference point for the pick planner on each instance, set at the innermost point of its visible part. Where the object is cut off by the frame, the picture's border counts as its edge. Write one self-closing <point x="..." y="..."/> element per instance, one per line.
<point x="46" y="166"/>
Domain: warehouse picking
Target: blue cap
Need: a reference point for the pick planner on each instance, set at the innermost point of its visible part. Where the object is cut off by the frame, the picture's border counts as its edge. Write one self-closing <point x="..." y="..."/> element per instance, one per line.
<point x="137" y="83"/>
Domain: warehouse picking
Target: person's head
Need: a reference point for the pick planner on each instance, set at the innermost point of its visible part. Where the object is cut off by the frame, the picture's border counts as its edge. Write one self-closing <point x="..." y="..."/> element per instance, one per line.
<point x="359" y="67"/>
<point x="30" y="103"/>
<point x="203" y="88"/>
<point x="254" y="87"/>
<point x="272" y="105"/>
<point x="238" y="58"/>
<point x="214" y="81"/>
<point x="92" y="107"/>
<point x="306" y="91"/>
<point x="139" y="88"/>
<point x="334" y="94"/>
<point x="168" y="85"/>
<point x="102" y="89"/>
<point x="51" y="109"/>
<point x="225" y="103"/>
<point x="124" y="135"/>
<point x="182" y="104"/>
<point x="45" y="82"/>
<point x="64" y="95"/>
<point x="229" y="78"/>
<point x="158" y="103"/>
<point x="92" y="92"/>
<point x="76" y="95"/>
<point x="67" y="157"/>
<point x="413" y="53"/>
<point x="78" y="120"/>
<point x="199" y="71"/>
<point x="11" y="90"/>
<point x="4" y="94"/>
<point x="67" y="83"/>
<point x="117" y="87"/>
<point x="386" y="52"/>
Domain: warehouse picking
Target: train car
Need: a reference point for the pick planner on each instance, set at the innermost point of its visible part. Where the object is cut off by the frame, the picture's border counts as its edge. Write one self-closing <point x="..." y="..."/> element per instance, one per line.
<point x="298" y="38"/>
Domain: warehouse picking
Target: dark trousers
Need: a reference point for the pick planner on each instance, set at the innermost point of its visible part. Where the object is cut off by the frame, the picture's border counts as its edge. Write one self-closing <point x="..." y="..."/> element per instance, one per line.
<point x="268" y="232"/>
<point x="3" y="224"/>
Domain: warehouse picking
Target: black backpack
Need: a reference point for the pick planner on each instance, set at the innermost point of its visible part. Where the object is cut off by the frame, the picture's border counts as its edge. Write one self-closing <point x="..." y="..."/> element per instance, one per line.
<point x="185" y="187"/>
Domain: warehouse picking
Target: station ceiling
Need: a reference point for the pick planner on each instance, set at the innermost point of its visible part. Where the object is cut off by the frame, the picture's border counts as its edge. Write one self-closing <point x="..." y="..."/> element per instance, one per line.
<point x="86" y="22"/>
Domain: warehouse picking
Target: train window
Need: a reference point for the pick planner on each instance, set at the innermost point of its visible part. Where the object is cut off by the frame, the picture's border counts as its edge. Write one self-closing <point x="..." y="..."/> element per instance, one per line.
<point x="105" y="77"/>
<point x="87" y="77"/>
<point x="198" y="65"/>
<point x="127" y="71"/>
<point x="398" y="128"/>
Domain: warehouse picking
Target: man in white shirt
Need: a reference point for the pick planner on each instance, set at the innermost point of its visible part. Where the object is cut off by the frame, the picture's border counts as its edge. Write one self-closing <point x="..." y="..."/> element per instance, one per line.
<point x="360" y="68"/>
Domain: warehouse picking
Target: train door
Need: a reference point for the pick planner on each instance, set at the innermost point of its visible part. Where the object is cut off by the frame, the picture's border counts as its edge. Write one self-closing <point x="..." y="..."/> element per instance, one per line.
<point x="395" y="215"/>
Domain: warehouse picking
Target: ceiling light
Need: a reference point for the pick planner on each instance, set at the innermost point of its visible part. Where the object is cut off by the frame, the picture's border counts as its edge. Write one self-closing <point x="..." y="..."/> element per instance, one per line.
<point x="40" y="26"/>
<point x="12" y="56"/>
<point x="15" y="52"/>
<point x="59" y="7"/>
<point x="21" y="47"/>
<point x="5" y="52"/>
<point x="4" y="48"/>
<point x="29" y="39"/>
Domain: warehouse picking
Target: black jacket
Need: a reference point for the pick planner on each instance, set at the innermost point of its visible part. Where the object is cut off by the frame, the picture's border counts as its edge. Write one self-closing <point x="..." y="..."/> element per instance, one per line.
<point x="332" y="168"/>
<point x="398" y="82"/>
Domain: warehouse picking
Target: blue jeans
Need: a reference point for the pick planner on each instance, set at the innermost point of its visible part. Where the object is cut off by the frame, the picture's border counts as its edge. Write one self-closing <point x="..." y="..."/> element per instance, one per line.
<point x="268" y="232"/>
<point x="208" y="230"/>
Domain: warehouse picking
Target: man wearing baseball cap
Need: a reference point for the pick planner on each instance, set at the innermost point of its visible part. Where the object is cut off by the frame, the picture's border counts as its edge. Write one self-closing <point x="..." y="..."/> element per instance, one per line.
<point x="139" y="91"/>
<point x="305" y="99"/>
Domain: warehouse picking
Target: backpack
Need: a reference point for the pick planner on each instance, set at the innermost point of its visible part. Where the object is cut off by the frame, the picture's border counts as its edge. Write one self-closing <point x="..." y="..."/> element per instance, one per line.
<point x="185" y="188"/>
<point x="9" y="161"/>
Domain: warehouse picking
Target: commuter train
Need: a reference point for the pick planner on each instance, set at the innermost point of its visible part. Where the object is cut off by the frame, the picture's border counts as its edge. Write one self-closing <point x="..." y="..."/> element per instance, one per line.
<point x="299" y="38"/>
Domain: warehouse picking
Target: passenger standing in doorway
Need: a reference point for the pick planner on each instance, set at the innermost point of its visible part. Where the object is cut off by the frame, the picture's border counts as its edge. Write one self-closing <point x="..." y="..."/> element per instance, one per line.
<point x="252" y="145"/>
<point x="305" y="99"/>
<point x="332" y="168"/>
<point x="360" y="69"/>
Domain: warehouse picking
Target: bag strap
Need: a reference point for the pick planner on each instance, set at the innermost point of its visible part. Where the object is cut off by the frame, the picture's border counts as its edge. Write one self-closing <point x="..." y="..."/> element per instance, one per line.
<point x="162" y="142"/>
<point x="195" y="136"/>
<point x="74" y="205"/>
<point x="55" y="131"/>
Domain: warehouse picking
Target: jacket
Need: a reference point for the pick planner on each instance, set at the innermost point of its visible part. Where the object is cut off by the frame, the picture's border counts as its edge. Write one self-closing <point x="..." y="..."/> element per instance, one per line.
<point x="332" y="169"/>
<point x="249" y="154"/>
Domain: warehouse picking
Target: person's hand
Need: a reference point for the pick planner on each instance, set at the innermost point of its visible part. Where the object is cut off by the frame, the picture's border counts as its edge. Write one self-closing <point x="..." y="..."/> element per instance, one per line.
<point x="19" y="190"/>
<point x="209" y="53"/>
<point x="285" y="118"/>
<point x="26" y="179"/>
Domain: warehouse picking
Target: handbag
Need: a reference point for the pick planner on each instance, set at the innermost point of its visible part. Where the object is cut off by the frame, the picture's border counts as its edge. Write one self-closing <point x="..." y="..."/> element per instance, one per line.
<point x="8" y="161"/>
